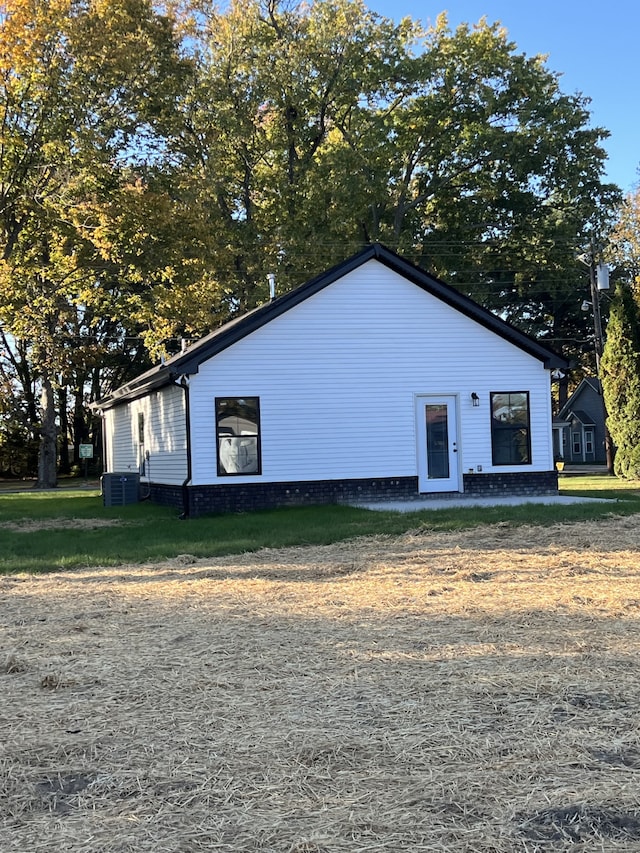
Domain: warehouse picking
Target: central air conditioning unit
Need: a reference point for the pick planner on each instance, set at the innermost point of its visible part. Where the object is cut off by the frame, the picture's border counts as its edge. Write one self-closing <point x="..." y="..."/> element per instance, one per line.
<point x="119" y="489"/>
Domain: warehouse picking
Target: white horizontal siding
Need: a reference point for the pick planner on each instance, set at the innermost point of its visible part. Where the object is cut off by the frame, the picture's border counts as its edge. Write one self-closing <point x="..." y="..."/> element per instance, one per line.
<point x="165" y="436"/>
<point x="337" y="377"/>
<point x="121" y="452"/>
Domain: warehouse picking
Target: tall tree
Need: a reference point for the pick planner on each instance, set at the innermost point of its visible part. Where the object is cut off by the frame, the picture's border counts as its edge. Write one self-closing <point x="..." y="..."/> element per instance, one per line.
<point x="270" y="83"/>
<point x="18" y="409"/>
<point x="492" y="177"/>
<point x="82" y="89"/>
<point x="624" y="242"/>
<point x="314" y="128"/>
<point x="620" y="373"/>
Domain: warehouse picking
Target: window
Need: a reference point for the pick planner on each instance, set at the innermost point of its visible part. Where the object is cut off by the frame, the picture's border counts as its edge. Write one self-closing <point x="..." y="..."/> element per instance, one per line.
<point x="510" y="428"/>
<point x="238" y="435"/>
<point x="576" y="443"/>
<point x="588" y="441"/>
<point x="437" y="442"/>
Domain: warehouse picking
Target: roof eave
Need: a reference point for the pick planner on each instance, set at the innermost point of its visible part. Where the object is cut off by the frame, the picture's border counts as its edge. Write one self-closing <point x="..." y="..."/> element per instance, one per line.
<point x="139" y="387"/>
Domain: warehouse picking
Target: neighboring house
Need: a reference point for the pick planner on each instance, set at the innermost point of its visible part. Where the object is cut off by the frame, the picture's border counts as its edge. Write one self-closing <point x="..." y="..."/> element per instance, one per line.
<point x="373" y="380"/>
<point x="578" y="429"/>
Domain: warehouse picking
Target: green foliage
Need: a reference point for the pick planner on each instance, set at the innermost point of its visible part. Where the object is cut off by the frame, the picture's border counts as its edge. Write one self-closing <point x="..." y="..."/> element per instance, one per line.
<point x="624" y="247"/>
<point x="18" y="451"/>
<point x="333" y="127"/>
<point x="620" y="373"/>
<point x="83" y="90"/>
<point x="157" y="161"/>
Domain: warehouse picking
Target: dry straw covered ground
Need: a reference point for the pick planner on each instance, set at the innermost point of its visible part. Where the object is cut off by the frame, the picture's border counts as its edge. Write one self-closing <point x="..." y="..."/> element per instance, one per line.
<point x="473" y="691"/>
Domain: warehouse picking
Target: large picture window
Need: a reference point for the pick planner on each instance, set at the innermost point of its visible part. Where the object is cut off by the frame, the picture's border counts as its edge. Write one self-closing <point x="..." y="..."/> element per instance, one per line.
<point x="510" y="428"/>
<point x="238" y="435"/>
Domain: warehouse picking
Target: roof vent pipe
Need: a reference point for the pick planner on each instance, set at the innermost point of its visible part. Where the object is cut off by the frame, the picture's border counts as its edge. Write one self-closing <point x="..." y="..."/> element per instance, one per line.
<point x="272" y="285"/>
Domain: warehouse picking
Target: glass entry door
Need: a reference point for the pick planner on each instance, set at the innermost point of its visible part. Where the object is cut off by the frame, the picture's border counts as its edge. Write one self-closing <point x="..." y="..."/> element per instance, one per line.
<point x="437" y="444"/>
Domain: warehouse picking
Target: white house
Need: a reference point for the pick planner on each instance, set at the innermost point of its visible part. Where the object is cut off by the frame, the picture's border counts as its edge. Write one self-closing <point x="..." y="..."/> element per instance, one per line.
<point x="371" y="381"/>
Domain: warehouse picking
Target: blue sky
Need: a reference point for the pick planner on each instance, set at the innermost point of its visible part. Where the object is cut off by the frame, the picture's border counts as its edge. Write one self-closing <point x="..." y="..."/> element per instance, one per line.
<point x="595" y="47"/>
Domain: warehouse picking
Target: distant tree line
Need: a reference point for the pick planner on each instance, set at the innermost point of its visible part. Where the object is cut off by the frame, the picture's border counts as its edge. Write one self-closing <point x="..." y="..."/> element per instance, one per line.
<point x="157" y="162"/>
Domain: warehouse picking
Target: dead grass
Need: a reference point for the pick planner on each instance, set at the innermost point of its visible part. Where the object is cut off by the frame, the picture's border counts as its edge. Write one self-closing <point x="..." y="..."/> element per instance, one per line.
<point x="472" y="691"/>
<point x="33" y="525"/>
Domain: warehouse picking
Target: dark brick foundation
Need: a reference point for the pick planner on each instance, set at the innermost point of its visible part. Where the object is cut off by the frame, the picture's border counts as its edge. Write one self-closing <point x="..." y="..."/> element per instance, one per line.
<point x="529" y="483"/>
<point x="167" y="495"/>
<point x="244" y="497"/>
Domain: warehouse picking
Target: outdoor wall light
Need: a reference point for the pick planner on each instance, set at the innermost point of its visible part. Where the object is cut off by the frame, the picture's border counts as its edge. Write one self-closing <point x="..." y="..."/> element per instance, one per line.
<point x="475" y="400"/>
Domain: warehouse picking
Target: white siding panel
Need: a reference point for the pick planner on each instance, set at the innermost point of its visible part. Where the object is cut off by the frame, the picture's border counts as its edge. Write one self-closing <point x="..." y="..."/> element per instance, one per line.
<point x="123" y="453"/>
<point x="165" y="436"/>
<point x="337" y="377"/>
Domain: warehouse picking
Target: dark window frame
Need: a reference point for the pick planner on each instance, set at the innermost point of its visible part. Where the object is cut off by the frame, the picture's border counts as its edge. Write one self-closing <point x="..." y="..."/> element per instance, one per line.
<point x="500" y="430"/>
<point x="222" y="472"/>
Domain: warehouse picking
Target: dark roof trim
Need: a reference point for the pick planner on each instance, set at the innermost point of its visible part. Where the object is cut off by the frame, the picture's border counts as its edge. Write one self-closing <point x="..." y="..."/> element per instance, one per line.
<point x="222" y="338"/>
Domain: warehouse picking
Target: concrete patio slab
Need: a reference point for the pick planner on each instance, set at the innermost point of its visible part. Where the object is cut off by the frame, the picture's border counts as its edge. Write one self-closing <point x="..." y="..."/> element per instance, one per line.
<point x="420" y="504"/>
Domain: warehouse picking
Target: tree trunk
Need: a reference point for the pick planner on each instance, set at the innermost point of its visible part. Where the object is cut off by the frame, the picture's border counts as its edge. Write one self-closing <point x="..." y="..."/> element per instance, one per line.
<point x="79" y="424"/>
<point x="65" y="462"/>
<point x="47" y="478"/>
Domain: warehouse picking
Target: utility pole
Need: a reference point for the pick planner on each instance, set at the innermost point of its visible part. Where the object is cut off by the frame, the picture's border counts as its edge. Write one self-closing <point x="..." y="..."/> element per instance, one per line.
<point x="599" y="280"/>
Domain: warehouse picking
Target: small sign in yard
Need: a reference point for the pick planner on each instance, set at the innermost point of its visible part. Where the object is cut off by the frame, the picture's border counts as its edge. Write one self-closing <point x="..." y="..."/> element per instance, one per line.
<point x="86" y="451"/>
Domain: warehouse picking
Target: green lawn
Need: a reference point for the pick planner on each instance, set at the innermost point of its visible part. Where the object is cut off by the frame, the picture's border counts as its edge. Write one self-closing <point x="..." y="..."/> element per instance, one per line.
<point x="47" y="531"/>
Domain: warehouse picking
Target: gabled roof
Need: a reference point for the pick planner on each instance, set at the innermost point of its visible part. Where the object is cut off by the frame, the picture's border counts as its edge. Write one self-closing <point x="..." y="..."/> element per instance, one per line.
<point x="582" y="416"/>
<point x="589" y="383"/>
<point x="188" y="362"/>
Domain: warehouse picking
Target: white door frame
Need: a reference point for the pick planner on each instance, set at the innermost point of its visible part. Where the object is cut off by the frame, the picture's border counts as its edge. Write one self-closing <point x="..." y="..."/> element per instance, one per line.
<point x="452" y="481"/>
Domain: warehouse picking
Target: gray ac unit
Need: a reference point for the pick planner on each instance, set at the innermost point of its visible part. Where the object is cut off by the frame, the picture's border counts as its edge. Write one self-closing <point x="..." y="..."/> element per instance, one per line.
<point x="119" y="489"/>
